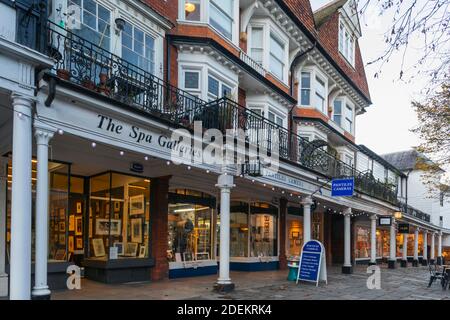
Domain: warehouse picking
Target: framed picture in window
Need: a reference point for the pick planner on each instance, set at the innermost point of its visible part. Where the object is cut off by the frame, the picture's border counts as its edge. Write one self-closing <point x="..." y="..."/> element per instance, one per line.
<point x="187" y="256"/>
<point x="119" y="246"/>
<point x="78" y="226"/>
<point x="71" y="222"/>
<point x="131" y="249"/>
<point x="62" y="239"/>
<point x="99" y="248"/>
<point x="295" y="235"/>
<point x="79" y="243"/>
<point x="60" y="254"/>
<point x="116" y="206"/>
<point x="62" y="214"/>
<point x="79" y="208"/>
<point x="142" y="251"/>
<point x="62" y="226"/>
<point x="202" y="256"/>
<point x="71" y="243"/>
<point x="137" y="204"/>
<point x="136" y="230"/>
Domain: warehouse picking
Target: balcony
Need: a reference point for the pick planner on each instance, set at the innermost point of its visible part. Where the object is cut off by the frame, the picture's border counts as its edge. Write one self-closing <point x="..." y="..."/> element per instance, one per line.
<point x="83" y="63"/>
<point x="414" y="213"/>
<point x="252" y="63"/>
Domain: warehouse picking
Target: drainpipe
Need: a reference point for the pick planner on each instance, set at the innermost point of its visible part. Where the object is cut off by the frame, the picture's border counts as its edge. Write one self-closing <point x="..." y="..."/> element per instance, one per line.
<point x="291" y="89"/>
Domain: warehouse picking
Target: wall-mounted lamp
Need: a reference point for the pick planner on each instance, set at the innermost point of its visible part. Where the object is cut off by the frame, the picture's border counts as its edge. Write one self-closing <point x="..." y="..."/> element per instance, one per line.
<point x="189" y="7"/>
<point x="120" y="24"/>
<point x="398" y="215"/>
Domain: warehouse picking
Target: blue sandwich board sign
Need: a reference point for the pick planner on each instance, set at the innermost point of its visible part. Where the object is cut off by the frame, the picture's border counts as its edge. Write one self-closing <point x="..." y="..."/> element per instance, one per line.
<point x="312" y="266"/>
<point x="342" y="187"/>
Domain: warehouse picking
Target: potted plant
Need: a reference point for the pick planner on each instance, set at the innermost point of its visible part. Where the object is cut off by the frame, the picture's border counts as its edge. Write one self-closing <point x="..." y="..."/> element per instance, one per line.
<point x="88" y="84"/>
<point x="103" y="87"/>
<point x="63" y="74"/>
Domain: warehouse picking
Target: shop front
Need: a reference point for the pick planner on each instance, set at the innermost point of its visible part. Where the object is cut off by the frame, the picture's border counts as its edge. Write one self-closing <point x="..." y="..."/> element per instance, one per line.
<point x="362" y="241"/>
<point x="191" y="226"/>
<point x="253" y="236"/>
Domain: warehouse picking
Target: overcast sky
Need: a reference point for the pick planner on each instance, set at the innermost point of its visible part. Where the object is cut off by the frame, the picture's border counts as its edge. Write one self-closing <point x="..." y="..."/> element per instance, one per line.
<point x="385" y="127"/>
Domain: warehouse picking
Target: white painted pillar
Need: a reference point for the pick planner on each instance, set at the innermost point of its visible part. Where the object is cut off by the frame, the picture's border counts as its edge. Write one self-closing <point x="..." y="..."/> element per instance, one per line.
<point x="43" y="135"/>
<point x="440" y="247"/>
<point x="432" y="247"/>
<point x="392" y="245"/>
<point x="307" y="202"/>
<point x="405" y="247"/>
<point x="20" y="266"/>
<point x="416" y="247"/>
<point x="3" y="191"/>
<point x="373" y="239"/>
<point x="225" y="183"/>
<point x="347" y="267"/>
<point x="425" y="247"/>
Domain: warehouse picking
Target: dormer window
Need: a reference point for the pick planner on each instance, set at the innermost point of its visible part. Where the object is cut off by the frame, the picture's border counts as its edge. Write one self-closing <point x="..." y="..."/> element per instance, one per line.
<point x="346" y="44"/>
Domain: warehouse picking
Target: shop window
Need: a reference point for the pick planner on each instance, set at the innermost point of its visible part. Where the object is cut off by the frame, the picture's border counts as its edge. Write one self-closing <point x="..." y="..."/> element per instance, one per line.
<point x="317" y="226"/>
<point x="58" y="210"/>
<point x="264" y="230"/>
<point x="362" y="248"/>
<point x="75" y="240"/>
<point x="238" y="229"/>
<point x="190" y="226"/>
<point x="295" y="237"/>
<point x="383" y="239"/>
<point x="119" y="216"/>
<point x="399" y="243"/>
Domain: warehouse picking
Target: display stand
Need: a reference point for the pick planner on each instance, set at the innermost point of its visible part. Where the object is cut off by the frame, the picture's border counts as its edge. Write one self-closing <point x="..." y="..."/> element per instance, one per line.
<point x="312" y="264"/>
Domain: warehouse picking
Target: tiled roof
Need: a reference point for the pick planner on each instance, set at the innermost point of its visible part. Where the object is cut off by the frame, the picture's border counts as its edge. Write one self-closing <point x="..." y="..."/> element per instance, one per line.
<point x="403" y="160"/>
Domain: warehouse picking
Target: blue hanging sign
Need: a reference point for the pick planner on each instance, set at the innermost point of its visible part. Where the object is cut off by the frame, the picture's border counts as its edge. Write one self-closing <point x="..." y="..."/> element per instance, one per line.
<point x="342" y="187"/>
<point x="312" y="266"/>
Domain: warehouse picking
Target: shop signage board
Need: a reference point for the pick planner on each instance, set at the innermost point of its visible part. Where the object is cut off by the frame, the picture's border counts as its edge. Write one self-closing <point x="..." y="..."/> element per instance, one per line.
<point x="385" y="221"/>
<point x="403" y="228"/>
<point x="342" y="187"/>
<point x="312" y="265"/>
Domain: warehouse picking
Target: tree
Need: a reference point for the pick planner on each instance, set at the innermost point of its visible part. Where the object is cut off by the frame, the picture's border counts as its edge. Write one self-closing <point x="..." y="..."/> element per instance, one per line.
<point x="424" y="22"/>
<point x="434" y="131"/>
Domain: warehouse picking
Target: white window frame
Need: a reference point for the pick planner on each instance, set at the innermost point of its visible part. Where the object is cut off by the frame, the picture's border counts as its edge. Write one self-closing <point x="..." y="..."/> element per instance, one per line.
<point x="346" y="42"/>
<point x="314" y="73"/>
<point x="345" y="101"/>
<point x="269" y="29"/>
<point x="334" y="114"/>
<point x="273" y="35"/>
<point x="194" y="91"/>
<point x="251" y="41"/>
<point x="205" y="19"/>
<point x="349" y="117"/>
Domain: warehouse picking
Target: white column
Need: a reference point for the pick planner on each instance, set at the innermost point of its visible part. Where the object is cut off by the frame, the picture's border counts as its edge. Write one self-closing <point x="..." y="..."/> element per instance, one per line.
<point x="3" y="190"/>
<point x="416" y="246"/>
<point x="440" y="247"/>
<point x="425" y="246"/>
<point x="347" y="268"/>
<point x="392" y="244"/>
<point x="307" y="202"/>
<point x="373" y="239"/>
<point x="20" y="266"/>
<point x="225" y="183"/>
<point x="405" y="247"/>
<point x="43" y="135"/>
<point x="432" y="247"/>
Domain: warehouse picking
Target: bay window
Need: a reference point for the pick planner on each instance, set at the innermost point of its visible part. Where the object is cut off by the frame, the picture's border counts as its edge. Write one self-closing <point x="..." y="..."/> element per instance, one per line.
<point x="217" y="89"/>
<point x="192" y="10"/>
<point x="221" y="16"/>
<point x="256" y="49"/>
<point x="320" y="95"/>
<point x="337" y="112"/>
<point x="275" y="118"/>
<point x="349" y="118"/>
<point x="277" y="53"/>
<point x="305" y="92"/>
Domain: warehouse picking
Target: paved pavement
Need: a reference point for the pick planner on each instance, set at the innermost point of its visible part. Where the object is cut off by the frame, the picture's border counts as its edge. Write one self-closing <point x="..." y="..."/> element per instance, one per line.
<point x="397" y="284"/>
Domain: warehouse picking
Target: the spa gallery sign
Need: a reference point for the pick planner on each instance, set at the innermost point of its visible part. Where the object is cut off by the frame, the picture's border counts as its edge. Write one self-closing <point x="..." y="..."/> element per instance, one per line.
<point x="141" y="136"/>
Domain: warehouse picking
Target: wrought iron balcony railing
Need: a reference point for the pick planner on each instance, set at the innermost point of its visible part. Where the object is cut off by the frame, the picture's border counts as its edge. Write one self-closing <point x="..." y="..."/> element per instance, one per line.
<point x="83" y="63"/>
<point x="413" y="212"/>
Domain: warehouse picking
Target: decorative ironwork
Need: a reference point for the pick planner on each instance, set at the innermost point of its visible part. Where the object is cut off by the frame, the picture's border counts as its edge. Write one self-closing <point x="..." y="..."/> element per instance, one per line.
<point x="413" y="212"/>
<point x="83" y="63"/>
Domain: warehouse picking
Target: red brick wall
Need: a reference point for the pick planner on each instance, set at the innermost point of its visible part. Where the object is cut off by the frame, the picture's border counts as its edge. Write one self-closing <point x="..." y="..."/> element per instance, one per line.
<point x="166" y="8"/>
<point x="242" y="97"/>
<point x="159" y="226"/>
<point x="329" y="39"/>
